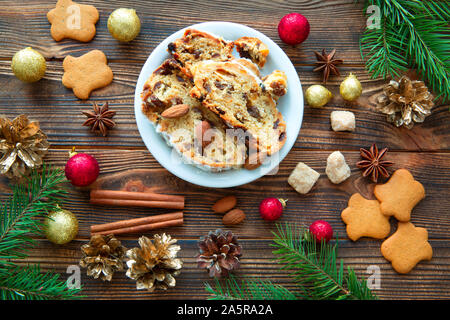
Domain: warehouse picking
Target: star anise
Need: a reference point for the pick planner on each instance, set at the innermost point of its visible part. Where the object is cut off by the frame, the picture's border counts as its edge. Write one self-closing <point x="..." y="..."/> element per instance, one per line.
<point x="373" y="163"/>
<point x="327" y="64"/>
<point x="100" y="118"/>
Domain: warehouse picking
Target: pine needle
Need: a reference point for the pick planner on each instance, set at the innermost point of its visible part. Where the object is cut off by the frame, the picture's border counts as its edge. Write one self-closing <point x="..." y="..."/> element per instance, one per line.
<point x="18" y="221"/>
<point x="412" y="34"/>
<point x="247" y="289"/>
<point x="28" y="283"/>
<point x="314" y="268"/>
<point x="18" y="224"/>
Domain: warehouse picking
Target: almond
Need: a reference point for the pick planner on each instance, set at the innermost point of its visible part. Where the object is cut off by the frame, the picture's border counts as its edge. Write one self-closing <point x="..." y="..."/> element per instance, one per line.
<point x="225" y="204"/>
<point x="176" y="111"/>
<point x="233" y="217"/>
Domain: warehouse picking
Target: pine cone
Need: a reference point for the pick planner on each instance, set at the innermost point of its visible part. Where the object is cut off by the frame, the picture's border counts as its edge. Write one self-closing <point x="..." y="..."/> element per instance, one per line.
<point x="102" y="256"/>
<point x="22" y="146"/>
<point x="154" y="265"/>
<point x="406" y="102"/>
<point x="219" y="253"/>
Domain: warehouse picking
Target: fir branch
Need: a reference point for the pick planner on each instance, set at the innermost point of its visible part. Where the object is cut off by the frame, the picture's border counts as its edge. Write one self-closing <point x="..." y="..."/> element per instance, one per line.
<point x="28" y="283"/>
<point x="248" y="289"/>
<point x="316" y="270"/>
<point x="413" y="33"/>
<point x="18" y="221"/>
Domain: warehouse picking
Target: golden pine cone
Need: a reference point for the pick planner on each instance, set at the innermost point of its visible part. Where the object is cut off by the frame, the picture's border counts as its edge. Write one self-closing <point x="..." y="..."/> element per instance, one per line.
<point x="405" y="102"/>
<point x="103" y="256"/>
<point x="155" y="264"/>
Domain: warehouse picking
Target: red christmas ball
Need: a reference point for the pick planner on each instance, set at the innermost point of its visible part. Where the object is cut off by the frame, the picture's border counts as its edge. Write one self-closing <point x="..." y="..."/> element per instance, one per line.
<point x="82" y="169"/>
<point x="321" y="230"/>
<point x="293" y="28"/>
<point x="271" y="208"/>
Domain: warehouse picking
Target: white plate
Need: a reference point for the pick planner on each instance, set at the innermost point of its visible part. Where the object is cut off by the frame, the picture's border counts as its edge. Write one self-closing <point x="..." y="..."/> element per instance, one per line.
<point x="290" y="105"/>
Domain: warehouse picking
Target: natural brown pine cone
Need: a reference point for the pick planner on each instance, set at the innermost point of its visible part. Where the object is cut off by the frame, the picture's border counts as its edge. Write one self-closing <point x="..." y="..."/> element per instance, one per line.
<point x="219" y="253"/>
<point x="102" y="256"/>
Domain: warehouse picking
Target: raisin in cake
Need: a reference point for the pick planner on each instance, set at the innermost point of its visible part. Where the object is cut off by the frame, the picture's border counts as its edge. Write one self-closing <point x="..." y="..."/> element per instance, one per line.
<point x="169" y="85"/>
<point x="240" y="99"/>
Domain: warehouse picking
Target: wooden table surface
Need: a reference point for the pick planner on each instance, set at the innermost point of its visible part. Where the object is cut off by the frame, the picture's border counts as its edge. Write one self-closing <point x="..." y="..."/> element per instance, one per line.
<point x="424" y="150"/>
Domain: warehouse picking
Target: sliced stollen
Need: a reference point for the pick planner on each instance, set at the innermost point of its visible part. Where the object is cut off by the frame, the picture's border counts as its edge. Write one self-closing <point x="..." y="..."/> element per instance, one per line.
<point x="240" y="99"/>
<point x="166" y="92"/>
<point x="197" y="46"/>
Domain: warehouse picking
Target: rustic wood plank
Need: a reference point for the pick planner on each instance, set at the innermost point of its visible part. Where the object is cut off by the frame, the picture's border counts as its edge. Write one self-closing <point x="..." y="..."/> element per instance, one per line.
<point x="325" y="201"/>
<point x="59" y="113"/>
<point x="162" y="18"/>
<point x="429" y="280"/>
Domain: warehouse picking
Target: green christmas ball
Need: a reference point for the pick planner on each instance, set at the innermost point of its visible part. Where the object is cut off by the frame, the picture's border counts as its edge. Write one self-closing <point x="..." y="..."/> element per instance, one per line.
<point x="61" y="226"/>
<point x="28" y="65"/>
<point x="124" y="24"/>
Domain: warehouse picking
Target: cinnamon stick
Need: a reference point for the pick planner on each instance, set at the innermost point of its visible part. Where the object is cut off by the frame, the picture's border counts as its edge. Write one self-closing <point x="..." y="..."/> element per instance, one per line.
<point x="130" y="195"/>
<point x="138" y="203"/>
<point x="143" y="228"/>
<point x="136" y="222"/>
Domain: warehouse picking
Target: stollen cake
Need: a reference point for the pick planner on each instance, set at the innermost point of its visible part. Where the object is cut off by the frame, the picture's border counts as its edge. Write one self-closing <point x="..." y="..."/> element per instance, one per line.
<point x="168" y="86"/>
<point x="240" y="99"/>
<point x="197" y="45"/>
<point x="253" y="49"/>
<point x="214" y="108"/>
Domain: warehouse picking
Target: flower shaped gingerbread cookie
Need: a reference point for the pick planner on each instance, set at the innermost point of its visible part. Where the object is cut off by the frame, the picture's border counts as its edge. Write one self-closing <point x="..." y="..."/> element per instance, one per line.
<point x="73" y="20"/>
<point x="399" y="195"/>
<point x="86" y="73"/>
<point x="364" y="219"/>
<point x="406" y="247"/>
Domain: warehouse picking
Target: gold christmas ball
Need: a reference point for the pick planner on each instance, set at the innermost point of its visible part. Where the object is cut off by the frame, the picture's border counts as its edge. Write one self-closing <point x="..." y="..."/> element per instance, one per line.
<point x="317" y="96"/>
<point x="28" y="65"/>
<point x="61" y="226"/>
<point x="351" y="88"/>
<point x="124" y="24"/>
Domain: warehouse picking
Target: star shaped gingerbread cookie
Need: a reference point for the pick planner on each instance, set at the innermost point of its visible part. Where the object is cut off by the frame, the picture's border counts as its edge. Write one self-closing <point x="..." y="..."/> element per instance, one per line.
<point x="364" y="219"/>
<point x="406" y="247"/>
<point x="86" y="73"/>
<point x="399" y="195"/>
<point x="72" y="20"/>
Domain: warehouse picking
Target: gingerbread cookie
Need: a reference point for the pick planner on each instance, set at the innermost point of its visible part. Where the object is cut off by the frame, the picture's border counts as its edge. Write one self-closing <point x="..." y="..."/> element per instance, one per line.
<point x="73" y="20"/>
<point x="364" y="219"/>
<point x="406" y="247"/>
<point x="86" y="73"/>
<point x="399" y="195"/>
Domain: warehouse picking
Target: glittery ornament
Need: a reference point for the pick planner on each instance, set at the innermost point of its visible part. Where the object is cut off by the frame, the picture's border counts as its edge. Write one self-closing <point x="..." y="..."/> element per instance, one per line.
<point x="28" y="65"/>
<point x="350" y="88"/>
<point x="317" y="96"/>
<point x="61" y="226"/>
<point x="405" y="102"/>
<point x="124" y="24"/>
<point x="22" y="146"/>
